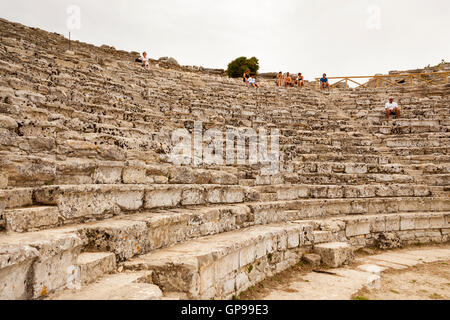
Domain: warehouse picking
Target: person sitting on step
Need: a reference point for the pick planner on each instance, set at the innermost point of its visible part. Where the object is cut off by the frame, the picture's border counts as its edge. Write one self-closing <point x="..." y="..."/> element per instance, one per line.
<point x="144" y="60"/>
<point x="246" y="76"/>
<point x="288" y="80"/>
<point x="280" y="79"/>
<point x="324" y="84"/>
<point x="392" y="109"/>
<point x="252" y="82"/>
<point x="300" y="80"/>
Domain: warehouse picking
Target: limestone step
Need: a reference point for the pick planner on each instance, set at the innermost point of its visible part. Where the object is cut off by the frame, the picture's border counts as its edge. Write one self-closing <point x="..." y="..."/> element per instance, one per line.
<point x="78" y="202"/>
<point x="124" y="286"/>
<point x="220" y="266"/>
<point x="94" y="265"/>
<point x="31" y="219"/>
<point x="382" y="230"/>
<point x="33" y="265"/>
<point x="137" y="234"/>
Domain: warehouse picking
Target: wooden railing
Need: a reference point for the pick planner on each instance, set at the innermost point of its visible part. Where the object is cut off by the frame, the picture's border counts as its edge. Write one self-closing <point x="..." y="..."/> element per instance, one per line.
<point x="391" y="80"/>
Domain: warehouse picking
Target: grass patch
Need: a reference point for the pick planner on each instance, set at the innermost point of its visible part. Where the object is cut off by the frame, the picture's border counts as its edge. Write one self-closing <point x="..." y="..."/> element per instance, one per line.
<point x="360" y="298"/>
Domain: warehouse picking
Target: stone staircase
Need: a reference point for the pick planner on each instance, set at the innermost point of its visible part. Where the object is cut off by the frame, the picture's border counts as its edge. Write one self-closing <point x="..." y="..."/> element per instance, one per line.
<point x="91" y="207"/>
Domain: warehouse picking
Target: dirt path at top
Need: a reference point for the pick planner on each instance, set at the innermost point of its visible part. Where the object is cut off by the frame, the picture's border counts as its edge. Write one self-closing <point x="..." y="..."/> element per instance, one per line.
<point x="421" y="273"/>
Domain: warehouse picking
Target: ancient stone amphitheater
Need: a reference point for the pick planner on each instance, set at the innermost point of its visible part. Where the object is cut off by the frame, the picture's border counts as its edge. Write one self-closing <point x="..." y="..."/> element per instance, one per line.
<point x="91" y="207"/>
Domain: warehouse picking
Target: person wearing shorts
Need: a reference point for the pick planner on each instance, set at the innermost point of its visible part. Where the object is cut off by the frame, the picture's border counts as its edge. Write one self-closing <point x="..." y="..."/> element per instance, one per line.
<point x="392" y="108"/>
<point x="324" y="84"/>
<point x="252" y="82"/>
<point x="300" y="80"/>
<point x="288" y="80"/>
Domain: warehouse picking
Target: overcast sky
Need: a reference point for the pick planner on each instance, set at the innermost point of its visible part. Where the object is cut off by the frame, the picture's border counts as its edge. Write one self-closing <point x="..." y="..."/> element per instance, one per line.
<point x="340" y="37"/>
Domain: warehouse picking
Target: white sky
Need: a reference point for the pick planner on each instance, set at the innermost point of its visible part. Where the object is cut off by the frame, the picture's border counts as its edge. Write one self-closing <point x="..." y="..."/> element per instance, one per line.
<point x="338" y="37"/>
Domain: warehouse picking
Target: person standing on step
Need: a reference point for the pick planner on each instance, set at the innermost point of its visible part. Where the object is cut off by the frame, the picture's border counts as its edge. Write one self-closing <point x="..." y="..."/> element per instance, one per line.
<point x="392" y="108"/>
<point x="324" y="84"/>
<point x="280" y="79"/>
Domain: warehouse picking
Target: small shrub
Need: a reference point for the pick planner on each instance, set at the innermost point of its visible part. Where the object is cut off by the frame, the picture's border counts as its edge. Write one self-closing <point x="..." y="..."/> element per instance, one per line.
<point x="237" y="67"/>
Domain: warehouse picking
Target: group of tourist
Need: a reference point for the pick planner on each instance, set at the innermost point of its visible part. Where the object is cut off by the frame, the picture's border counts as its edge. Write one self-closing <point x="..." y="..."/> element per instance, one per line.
<point x="288" y="82"/>
<point x="249" y="79"/>
<point x="285" y="80"/>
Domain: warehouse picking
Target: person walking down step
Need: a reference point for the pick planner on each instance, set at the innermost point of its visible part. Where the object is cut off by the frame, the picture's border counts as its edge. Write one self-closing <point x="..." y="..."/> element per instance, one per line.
<point x="392" y="108"/>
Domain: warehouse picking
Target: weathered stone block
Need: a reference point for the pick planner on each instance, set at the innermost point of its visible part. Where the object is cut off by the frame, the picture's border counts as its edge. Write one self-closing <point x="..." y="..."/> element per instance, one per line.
<point x="95" y="265"/>
<point x="293" y="239"/>
<point x="392" y="223"/>
<point x="422" y="222"/>
<point x="207" y="278"/>
<point x="407" y="222"/>
<point x="134" y="175"/>
<point x="242" y="281"/>
<point x="322" y="236"/>
<point x="108" y="175"/>
<point x="167" y="197"/>
<point x="377" y="224"/>
<point x="356" y="227"/>
<point x="437" y="221"/>
<point x="335" y="254"/>
<point x="247" y="255"/>
<point x="27" y="219"/>
<point x="131" y="200"/>
<point x="226" y="265"/>
<point x="313" y="259"/>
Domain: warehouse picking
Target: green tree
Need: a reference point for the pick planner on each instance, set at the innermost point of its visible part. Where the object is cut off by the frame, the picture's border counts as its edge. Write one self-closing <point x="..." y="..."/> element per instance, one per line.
<point x="237" y="67"/>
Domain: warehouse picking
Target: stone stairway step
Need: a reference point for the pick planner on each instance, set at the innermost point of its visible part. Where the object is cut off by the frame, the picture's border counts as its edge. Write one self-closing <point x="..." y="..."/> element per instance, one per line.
<point x="30" y="219"/>
<point x="94" y="265"/>
<point x="124" y="286"/>
<point x="33" y="265"/>
<point x="220" y="266"/>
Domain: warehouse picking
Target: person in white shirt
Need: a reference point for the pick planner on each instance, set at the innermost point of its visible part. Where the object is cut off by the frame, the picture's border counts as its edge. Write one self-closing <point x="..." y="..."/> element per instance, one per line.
<point x="143" y="59"/>
<point x="252" y="82"/>
<point x="392" y="108"/>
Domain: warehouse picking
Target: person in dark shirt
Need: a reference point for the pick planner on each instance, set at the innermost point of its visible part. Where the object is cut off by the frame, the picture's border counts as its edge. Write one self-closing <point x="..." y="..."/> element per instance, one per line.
<point x="300" y="80"/>
<point x="246" y="76"/>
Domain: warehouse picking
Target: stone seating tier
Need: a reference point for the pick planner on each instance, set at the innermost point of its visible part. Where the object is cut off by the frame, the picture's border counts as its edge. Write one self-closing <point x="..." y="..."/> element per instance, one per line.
<point x="86" y="184"/>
